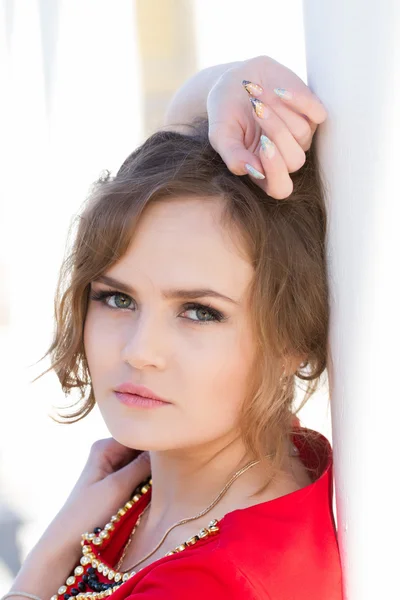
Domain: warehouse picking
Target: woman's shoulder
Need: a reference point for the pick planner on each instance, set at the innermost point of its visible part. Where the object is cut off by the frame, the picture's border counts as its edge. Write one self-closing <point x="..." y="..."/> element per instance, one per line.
<point x="313" y="497"/>
<point x="291" y="538"/>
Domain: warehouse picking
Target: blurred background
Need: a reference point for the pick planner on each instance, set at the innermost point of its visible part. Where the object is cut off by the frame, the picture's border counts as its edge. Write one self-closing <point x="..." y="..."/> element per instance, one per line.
<point x="83" y="83"/>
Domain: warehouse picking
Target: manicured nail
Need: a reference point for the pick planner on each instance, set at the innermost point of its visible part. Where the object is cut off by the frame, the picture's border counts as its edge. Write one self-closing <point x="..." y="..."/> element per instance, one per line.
<point x="282" y="93"/>
<point x="267" y="146"/>
<point x="259" y="108"/>
<point x="252" y="88"/>
<point x="252" y="171"/>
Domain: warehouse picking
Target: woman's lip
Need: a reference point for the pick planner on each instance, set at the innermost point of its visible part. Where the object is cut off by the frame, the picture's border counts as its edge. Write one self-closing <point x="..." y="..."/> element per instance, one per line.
<point x="135" y="400"/>
<point x="138" y="390"/>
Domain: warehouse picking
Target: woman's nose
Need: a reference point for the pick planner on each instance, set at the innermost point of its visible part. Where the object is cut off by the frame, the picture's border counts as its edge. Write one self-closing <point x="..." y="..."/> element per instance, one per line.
<point x="143" y="347"/>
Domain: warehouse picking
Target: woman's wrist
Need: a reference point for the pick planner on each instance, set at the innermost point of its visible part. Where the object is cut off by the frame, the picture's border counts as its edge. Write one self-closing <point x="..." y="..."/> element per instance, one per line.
<point x="20" y="595"/>
<point x="190" y="100"/>
<point x="48" y="564"/>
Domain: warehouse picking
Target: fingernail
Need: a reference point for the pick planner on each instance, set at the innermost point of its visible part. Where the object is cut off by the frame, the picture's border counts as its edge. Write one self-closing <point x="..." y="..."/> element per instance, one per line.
<point x="282" y="93"/>
<point x="252" y="171"/>
<point x="267" y="146"/>
<point x="252" y="88"/>
<point x="260" y="108"/>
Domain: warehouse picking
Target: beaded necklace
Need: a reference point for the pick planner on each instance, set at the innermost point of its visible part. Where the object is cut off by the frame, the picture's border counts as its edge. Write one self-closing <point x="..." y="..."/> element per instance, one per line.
<point x="92" y="578"/>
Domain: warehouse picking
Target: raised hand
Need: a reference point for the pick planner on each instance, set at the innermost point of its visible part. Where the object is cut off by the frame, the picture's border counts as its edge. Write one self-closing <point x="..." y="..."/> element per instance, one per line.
<point x="110" y="475"/>
<point x="252" y="122"/>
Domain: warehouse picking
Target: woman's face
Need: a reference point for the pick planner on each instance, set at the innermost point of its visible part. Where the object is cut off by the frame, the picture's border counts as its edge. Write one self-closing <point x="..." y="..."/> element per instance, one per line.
<point x="196" y="357"/>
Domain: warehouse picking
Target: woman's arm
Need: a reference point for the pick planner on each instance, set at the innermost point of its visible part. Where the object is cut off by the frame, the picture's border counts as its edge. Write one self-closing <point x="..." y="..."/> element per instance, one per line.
<point x="190" y="100"/>
<point x="110" y="475"/>
<point x="48" y="564"/>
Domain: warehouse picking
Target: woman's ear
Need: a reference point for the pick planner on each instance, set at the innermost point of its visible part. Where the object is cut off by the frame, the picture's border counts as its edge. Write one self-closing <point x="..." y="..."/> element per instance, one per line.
<point x="294" y="363"/>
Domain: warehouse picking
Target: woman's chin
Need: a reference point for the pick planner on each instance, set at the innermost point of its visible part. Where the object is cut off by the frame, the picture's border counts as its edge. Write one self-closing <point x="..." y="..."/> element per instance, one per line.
<point x="138" y="440"/>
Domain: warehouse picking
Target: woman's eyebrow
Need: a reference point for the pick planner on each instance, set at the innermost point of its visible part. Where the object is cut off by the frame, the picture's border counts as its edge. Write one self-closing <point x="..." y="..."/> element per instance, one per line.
<point x="168" y="294"/>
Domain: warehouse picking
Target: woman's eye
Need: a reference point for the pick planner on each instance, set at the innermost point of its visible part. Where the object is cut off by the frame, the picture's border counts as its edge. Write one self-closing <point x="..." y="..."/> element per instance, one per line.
<point x="203" y="314"/>
<point x="120" y="300"/>
<point x="117" y="299"/>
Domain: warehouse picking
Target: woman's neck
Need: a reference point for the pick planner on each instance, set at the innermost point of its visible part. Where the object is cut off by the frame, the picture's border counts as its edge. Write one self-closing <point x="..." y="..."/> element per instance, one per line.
<point x="185" y="483"/>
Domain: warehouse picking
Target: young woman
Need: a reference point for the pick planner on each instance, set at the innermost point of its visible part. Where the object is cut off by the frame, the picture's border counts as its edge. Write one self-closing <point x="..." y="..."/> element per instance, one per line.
<point x="189" y="308"/>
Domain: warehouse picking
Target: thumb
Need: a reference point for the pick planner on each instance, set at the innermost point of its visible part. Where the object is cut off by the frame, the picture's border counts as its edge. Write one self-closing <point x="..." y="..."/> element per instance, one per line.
<point x="132" y="474"/>
<point x="233" y="152"/>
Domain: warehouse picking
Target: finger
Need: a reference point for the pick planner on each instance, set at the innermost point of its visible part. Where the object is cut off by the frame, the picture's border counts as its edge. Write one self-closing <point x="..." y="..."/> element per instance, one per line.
<point x="110" y="452"/>
<point x="276" y="130"/>
<point x="304" y="101"/>
<point x="278" y="184"/>
<point x="313" y="126"/>
<point x="233" y="152"/>
<point x="300" y="127"/>
<point x="134" y="472"/>
<point x="300" y="124"/>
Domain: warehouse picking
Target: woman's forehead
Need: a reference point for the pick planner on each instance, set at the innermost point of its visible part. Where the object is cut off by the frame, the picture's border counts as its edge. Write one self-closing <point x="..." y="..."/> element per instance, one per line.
<point x="185" y="224"/>
<point x="182" y="243"/>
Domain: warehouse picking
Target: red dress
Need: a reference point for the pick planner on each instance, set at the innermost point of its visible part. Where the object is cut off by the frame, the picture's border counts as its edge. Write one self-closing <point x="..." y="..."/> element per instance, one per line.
<point x="282" y="549"/>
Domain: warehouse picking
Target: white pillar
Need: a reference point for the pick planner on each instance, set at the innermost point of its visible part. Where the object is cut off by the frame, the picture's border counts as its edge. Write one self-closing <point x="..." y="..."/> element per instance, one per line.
<point x="353" y="57"/>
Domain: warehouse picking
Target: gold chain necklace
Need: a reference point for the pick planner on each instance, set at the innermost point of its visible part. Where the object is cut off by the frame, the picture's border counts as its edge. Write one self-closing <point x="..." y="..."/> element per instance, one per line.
<point x="121" y="560"/>
<point x="182" y="521"/>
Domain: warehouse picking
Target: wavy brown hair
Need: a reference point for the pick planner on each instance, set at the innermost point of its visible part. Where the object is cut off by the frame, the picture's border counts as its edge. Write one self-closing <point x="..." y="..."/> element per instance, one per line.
<point x="284" y="240"/>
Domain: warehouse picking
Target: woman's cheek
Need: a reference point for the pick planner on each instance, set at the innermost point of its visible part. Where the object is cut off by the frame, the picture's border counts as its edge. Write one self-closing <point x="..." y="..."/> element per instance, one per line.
<point x="224" y="376"/>
<point x="97" y="342"/>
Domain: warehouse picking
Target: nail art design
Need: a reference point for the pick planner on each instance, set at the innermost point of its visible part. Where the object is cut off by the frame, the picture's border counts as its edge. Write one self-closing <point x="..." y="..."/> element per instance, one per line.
<point x="267" y="146"/>
<point x="252" y="171"/>
<point x="259" y="108"/>
<point x="252" y="88"/>
<point x="282" y="93"/>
